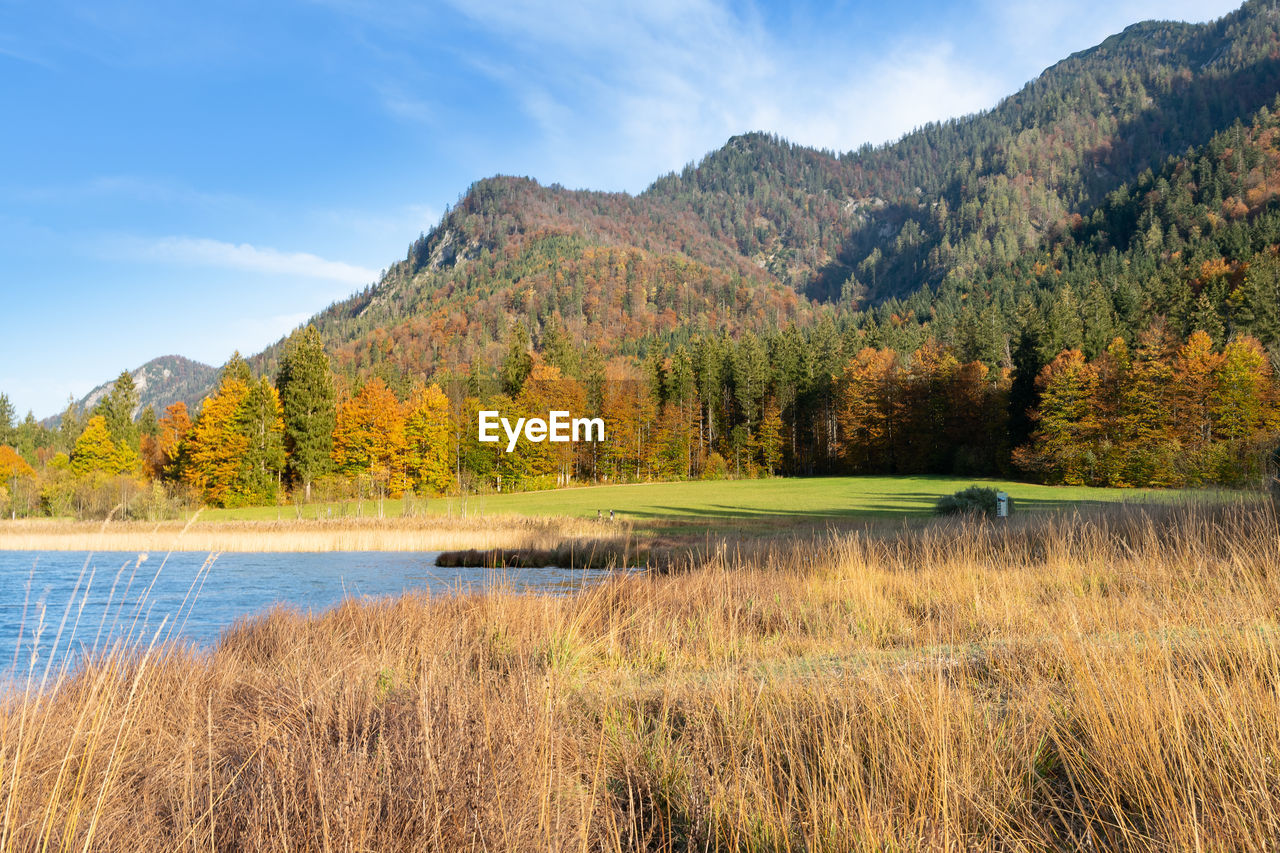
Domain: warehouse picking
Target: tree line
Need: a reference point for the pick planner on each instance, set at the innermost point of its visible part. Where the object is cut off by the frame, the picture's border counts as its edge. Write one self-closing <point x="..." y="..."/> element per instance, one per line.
<point x="1167" y="411"/>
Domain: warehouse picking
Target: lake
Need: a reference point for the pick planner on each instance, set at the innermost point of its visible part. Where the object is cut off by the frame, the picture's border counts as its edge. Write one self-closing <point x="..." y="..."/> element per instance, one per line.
<point x="107" y="595"/>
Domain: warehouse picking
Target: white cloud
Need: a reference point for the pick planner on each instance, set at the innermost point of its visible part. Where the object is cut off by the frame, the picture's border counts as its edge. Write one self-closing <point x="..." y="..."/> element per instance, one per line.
<point x="619" y="93"/>
<point x="138" y="189"/>
<point x="200" y="251"/>
<point x="403" y="105"/>
<point x="23" y="56"/>
<point x="623" y="95"/>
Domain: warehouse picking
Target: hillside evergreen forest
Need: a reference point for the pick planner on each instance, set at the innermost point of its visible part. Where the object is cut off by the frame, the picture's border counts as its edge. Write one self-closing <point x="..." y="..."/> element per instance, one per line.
<point x="1081" y="285"/>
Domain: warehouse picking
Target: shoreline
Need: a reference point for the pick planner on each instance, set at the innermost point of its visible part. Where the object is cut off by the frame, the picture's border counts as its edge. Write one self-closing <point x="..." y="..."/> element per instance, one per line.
<point x="346" y="534"/>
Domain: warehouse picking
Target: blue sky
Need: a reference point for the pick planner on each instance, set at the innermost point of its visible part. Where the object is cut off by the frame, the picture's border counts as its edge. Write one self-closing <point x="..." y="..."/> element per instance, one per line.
<point x="199" y="178"/>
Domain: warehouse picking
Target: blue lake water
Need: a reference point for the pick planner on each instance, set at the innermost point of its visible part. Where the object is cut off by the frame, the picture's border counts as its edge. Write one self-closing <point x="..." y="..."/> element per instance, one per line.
<point x="99" y="597"/>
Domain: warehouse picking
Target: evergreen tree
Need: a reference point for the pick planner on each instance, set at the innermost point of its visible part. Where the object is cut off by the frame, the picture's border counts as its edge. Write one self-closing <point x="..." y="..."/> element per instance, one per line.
<point x="7" y="416"/>
<point x="260" y="419"/>
<point x="28" y="437"/>
<point x="236" y="368"/>
<point x="1024" y="393"/>
<point x="70" y="425"/>
<point x="117" y="410"/>
<point x="305" y="383"/>
<point x="517" y="363"/>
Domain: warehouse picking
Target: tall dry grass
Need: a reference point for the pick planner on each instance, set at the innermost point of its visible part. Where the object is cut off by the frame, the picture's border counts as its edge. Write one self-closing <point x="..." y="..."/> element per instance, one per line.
<point x="345" y="534"/>
<point x="1100" y="682"/>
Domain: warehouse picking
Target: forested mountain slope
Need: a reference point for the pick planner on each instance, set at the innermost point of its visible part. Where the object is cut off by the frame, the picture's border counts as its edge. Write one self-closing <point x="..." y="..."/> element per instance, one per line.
<point x="763" y="233"/>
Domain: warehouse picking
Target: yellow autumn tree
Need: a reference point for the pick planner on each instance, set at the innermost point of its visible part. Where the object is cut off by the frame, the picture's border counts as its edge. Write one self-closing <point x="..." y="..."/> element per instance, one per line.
<point x="369" y="439"/>
<point x="217" y="444"/>
<point x="95" y="453"/>
<point x="428" y="432"/>
<point x="1194" y="370"/>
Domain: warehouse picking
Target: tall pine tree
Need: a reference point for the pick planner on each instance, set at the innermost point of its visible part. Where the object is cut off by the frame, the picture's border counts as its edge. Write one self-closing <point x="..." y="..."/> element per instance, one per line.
<point x="305" y="382"/>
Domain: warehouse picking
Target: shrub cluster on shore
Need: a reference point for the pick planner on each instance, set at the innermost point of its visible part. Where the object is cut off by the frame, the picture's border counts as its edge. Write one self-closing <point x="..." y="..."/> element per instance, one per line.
<point x="1058" y="682"/>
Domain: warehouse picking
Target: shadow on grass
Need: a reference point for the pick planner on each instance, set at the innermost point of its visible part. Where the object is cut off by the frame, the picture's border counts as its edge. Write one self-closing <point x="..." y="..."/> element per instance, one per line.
<point x="906" y="504"/>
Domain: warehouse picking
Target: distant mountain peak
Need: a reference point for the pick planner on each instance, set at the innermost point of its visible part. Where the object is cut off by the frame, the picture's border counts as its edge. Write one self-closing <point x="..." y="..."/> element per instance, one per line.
<point x="160" y="383"/>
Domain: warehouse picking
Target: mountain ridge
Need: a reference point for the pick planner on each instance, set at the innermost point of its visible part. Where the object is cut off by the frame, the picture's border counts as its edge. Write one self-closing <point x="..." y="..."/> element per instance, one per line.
<point x="762" y="232"/>
<point x="160" y="382"/>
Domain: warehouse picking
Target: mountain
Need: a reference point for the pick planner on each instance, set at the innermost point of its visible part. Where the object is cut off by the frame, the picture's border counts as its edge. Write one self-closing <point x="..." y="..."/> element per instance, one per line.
<point x="763" y="233"/>
<point x="160" y="382"/>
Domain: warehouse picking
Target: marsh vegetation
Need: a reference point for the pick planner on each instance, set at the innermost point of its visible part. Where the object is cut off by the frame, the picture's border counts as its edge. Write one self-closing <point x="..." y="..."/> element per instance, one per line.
<point x="1061" y="681"/>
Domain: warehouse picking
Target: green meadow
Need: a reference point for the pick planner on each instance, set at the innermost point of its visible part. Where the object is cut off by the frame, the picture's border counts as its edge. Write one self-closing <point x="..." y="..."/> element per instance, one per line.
<point x="819" y="499"/>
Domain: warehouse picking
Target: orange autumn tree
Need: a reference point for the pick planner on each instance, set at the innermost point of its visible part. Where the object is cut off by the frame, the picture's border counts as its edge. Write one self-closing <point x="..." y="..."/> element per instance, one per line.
<point x="13" y="466"/>
<point x="428" y="435"/>
<point x="870" y="409"/>
<point x="1195" y="367"/>
<point x="171" y="431"/>
<point x="12" y="469"/>
<point x="369" y="439"/>
<point x="547" y="390"/>
<point x="235" y="450"/>
<point x="630" y="416"/>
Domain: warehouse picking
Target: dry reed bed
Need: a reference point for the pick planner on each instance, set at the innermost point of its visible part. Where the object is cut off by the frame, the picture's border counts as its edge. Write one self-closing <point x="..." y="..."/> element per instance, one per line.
<point x="387" y="534"/>
<point x="1107" y="682"/>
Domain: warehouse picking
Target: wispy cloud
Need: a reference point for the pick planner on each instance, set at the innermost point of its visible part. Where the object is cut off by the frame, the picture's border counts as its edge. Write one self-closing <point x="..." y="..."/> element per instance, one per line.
<point x="200" y="251"/>
<point x="23" y="56"/>
<point x="612" y="95"/>
<point x="134" y="188"/>
<point x="624" y="94"/>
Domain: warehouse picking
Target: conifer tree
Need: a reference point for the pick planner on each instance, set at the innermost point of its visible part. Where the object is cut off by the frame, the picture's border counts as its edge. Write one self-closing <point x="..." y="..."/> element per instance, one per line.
<point x="264" y="458"/>
<point x="305" y="383"/>
<point x="1063" y="445"/>
<point x="517" y="363"/>
<point x="117" y="409"/>
<point x="7" y="415"/>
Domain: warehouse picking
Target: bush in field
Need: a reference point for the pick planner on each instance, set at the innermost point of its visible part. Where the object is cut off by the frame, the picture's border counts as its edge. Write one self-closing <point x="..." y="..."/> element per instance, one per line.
<point x="716" y="468"/>
<point x="975" y="500"/>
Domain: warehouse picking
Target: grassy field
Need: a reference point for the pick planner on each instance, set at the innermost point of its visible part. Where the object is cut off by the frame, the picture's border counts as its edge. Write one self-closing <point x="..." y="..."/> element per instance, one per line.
<point x="1096" y="681"/>
<point x="731" y="501"/>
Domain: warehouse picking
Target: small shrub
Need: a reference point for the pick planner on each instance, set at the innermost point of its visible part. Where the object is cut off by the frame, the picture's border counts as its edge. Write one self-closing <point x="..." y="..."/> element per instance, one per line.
<point x="715" y="468"/>
<point x="975" y="499"/>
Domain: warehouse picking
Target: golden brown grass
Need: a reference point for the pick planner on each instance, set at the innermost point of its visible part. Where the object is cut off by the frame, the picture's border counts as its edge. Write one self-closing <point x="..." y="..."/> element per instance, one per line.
<point x="345" y="534"/>
<point x="1103" y="682"/>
